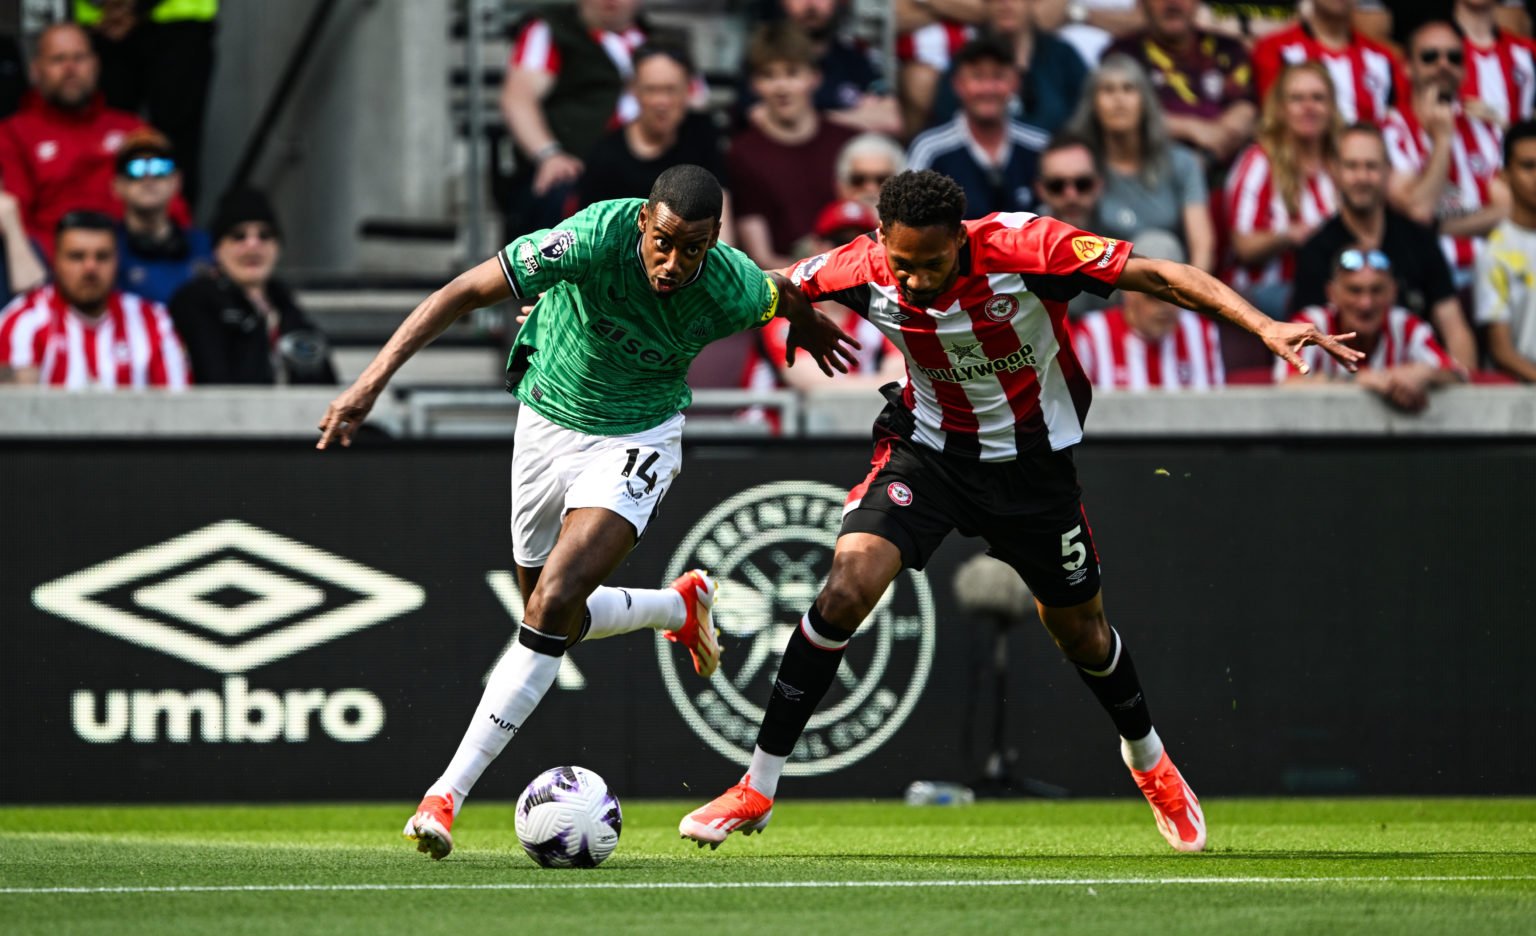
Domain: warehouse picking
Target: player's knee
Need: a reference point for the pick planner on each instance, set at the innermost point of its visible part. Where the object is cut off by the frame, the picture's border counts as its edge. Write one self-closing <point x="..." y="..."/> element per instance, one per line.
<point x="556" y="607"/>
<point x="845" y="604"/>
<point x="1082" y="636"/>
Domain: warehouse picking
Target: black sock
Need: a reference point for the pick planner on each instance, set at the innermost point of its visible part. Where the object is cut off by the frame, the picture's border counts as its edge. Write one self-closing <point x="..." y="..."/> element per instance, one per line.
<point x="804" y="677"/>
<point x="1115" y="685"/>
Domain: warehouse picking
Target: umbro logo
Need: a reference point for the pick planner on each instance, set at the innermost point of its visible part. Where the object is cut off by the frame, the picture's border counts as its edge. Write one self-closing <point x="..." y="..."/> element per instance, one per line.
<point x="229" y="597"/>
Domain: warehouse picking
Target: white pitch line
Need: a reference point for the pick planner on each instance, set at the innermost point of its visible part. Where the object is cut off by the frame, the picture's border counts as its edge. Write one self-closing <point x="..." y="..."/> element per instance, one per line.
<point x="759" y="885"/>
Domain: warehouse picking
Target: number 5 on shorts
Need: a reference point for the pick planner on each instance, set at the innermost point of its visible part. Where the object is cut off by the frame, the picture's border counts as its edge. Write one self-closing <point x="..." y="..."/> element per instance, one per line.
<point x="645" y="468"/>
<point x="1074" y="553"/>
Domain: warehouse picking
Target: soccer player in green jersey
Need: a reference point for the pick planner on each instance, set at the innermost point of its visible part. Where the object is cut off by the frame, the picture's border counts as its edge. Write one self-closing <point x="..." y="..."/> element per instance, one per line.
<point x="629" y="292"/>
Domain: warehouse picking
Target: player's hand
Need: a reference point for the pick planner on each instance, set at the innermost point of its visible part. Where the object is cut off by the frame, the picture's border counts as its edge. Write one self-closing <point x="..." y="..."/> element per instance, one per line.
<point x="1286" y="339"/>
<point x="828" y="345"/>
<point x="344" y="415"/>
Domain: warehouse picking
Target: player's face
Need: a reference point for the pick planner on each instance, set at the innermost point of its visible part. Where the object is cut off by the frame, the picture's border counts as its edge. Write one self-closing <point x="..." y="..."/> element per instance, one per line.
<point x="1362" y="298"/>
<point x="985" y="88"/>
<point x="65" y="69"/>
<point x="1520" y="174"/>
<point x="925" y="260"/>
<point x="84" y="266"/>
<point x="673" y="248"/>
<point x="1307" y="105"/>
<point x="1430" y="60"/>
<point x="661" y="88"/>
<point x="1361" y="172"/>
<point x="1117" y="103"/>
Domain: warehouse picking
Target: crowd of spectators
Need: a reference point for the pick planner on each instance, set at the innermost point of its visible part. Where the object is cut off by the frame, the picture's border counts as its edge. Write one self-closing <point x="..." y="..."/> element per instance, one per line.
<point x="1339" y="161"/>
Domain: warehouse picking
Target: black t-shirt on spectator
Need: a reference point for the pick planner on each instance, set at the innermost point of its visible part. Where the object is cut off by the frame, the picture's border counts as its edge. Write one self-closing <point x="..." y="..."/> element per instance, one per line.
<point x="1423" y="278"/>
<point x="614" y="172"/>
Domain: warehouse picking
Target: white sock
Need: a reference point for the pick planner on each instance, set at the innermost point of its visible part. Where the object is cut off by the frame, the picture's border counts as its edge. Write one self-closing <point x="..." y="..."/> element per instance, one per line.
<point x="763" y="775"/>
<point x="1143" y="753"/>
<point x="622" y="610"/>
<point x="518" y="681"/>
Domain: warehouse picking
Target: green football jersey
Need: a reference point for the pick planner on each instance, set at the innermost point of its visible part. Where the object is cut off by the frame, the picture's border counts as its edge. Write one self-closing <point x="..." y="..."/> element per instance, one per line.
<point x="604" y="354"/>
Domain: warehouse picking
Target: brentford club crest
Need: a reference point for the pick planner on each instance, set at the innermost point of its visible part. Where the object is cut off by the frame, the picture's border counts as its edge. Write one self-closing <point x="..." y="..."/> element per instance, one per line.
<point x="899" y="493"/>
<point x="1001" y="308"/>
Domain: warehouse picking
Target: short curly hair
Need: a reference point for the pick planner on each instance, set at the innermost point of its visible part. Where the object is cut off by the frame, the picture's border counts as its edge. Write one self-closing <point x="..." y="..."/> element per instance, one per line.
<point x="922" y="199"/>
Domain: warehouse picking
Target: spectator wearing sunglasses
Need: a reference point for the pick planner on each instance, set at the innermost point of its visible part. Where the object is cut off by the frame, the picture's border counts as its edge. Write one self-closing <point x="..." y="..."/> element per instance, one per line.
<point x="863" y="165"/>
<point x="1424" y="285"/>
<point x="1500" y="81"/>
<point x="1444" y="160"/>
<point x="1068" y="188"/>
<point x="1150" y="182"/>
<point x="1403" y="361"/>
<point x="241" y="325"/>
<point x="156" y="255"/>
<point x="58" y="153"/>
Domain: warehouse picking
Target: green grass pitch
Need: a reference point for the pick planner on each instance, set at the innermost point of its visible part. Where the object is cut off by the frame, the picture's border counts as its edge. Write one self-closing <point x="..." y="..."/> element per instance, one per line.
<point x="1275" y="866"/>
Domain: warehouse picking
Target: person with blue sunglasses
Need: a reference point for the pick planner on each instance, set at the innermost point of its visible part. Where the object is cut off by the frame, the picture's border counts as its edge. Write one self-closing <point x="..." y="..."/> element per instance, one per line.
<point x="156" y="256"/>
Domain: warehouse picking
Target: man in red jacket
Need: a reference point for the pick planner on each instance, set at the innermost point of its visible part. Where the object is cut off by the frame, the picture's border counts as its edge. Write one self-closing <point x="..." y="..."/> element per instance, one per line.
<point x="57" y="153"/>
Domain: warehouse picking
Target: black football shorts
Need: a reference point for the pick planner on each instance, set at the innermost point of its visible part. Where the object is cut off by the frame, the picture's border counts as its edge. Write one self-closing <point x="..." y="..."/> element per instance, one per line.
<point x="1029" y="511"/>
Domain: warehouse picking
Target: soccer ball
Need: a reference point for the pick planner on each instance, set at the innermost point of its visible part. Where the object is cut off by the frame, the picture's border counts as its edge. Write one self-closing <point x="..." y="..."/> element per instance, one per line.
<point x="567" y="818"/>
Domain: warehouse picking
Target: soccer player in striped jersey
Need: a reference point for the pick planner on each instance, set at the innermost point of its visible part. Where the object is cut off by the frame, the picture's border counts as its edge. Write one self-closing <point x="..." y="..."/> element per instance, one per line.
<point x="979" y="438"/>
<point x="629" y="292"/>
<point x="1402" y="360"/>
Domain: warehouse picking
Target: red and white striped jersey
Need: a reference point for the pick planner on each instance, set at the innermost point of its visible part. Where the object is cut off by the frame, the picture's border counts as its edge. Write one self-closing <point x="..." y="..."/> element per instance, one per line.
<point x="1502" y="75"/>
<point x="1405" y="339"/>
<point x="131" y="344"/>
<point x="1115" y="357"/>
<point x="535" y="50"/>
<point x="1476" y="154"/>
<point x="1364" y="73"/>
<point x="990" y="366"/>
<point x="934" y="45"/>
<point x="1254" y="204"/>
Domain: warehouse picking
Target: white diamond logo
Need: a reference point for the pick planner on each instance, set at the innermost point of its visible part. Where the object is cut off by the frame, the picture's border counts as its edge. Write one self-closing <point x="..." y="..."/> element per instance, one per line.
<point x="186" y="597"/>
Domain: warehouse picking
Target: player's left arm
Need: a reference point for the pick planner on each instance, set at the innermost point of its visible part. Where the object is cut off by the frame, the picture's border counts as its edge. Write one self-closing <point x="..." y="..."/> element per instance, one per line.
<point x="1194" y="289"/>
<point x="810" y="328"/>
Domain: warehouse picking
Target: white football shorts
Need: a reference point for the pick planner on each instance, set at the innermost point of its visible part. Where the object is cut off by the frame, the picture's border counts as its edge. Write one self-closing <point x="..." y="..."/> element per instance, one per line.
<point x="556" y="470"/>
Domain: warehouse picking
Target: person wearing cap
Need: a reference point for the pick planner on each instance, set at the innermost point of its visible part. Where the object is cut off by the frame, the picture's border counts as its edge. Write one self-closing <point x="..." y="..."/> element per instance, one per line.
<point x="1146" y="343"/>
<point x="1403" y="361"/>
<point x="242" y="325"/>
<point x="156" y="255"/>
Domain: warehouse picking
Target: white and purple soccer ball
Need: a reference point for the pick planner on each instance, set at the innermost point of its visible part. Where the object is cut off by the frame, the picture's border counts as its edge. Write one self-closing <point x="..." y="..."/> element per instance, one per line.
<point x="567" y="818"/>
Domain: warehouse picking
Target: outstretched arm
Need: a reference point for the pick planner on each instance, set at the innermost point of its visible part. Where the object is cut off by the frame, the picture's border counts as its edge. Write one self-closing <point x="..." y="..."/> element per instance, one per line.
<point x="1183" y="285"/>
<point x="475" y="288"/>
<point x="812" y="329"/>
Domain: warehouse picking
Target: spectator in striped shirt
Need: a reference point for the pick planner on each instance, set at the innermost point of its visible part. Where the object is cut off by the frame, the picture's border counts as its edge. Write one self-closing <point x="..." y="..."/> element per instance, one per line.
<point x="1500" y="82"/>
<point x="1365" y="73"/>
<point x="1403" y="361"/>
<point x="1444" y="160"/>
<point x="79" y="332"/>
<point x="1279" y="190"/>
<point x="1148" y="343"/>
